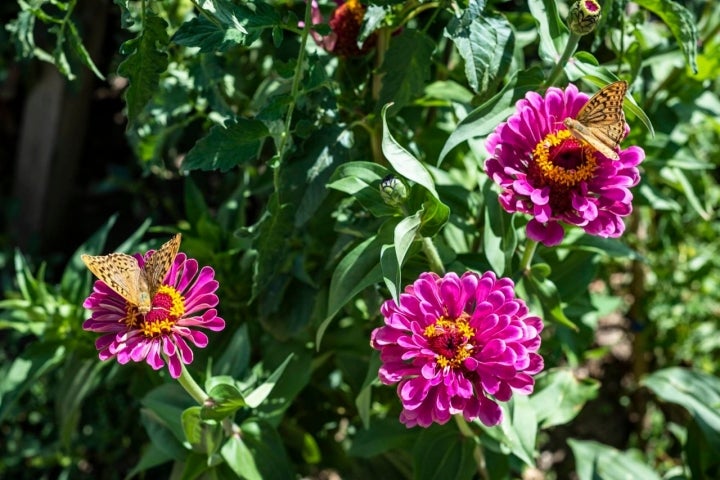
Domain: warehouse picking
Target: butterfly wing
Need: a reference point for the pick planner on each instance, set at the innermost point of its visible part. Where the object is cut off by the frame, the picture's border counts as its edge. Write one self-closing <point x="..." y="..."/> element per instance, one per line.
<point x="601" y="121"/>
<point x="158" y="265"/>
<point x="121" y="273"/>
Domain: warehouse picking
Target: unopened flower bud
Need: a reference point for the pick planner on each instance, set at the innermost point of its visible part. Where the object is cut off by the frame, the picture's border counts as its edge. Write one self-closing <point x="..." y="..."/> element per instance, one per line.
<point x="583" y="16"/>
<point x="393" y="191"/>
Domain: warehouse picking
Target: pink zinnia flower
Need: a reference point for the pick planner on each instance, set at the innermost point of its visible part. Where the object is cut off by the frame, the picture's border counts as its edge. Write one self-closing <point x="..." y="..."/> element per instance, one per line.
<point x="546" y="172"/>
<point x="453" y="342"/>
<point x="183" y="303"/>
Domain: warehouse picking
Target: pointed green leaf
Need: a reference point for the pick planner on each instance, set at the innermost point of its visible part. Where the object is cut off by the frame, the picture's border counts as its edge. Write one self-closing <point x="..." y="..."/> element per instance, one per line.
<point x="553" y="31"/>
<point x="486" y="42"/>
<point x="225" y="147"/>
<point x="403" y="161"/>
<point x="406" y="68"/>
<point x="225" y="401"/>
<point x="560" y="395"/>
<point x="146" y="60"/>
<point x="681" y="23"/>
<point x="484" y="119"/>
<point x="594" y="461"/>
<point x="544" y="289"/>
<point x="358" y="269"/>
<point x="441" y="452"/>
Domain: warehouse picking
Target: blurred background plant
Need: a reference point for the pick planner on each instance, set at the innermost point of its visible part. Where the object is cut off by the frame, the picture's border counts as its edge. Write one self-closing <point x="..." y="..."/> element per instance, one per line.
<point x="226" y="121"/>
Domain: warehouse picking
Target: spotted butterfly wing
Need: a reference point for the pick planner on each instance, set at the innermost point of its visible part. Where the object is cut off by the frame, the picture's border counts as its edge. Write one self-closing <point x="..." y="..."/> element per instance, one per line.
<point x="601" y="121"/>
<point x="123" y="275"/>
<point x="159" y="263"/>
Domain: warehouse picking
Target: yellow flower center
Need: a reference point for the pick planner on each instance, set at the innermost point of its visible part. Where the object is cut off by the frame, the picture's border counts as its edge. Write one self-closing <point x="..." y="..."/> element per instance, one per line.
<point x="450" y="339"/>
<point x="560" y="160"/>
<point x="167" y="306"/>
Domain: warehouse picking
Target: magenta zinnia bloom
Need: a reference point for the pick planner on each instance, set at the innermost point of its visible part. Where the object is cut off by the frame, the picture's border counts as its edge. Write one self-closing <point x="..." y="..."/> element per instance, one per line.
<point x="546" y="172"/>
<point x="183" y="303"/>
<point x="453" y="342"/>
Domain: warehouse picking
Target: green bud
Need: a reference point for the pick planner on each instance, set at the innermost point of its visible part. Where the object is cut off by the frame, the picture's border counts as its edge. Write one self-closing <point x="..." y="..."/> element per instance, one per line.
<point x="393" y="191"/>
<point x="583" y="16"/>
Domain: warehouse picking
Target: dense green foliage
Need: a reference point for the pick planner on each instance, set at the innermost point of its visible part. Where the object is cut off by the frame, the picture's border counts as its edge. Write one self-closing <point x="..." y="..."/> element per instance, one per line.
<point x="267" y="151"/>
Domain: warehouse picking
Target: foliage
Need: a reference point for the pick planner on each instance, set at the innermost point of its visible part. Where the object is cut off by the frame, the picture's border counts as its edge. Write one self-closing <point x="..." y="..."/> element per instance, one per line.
<point x="281" y="146"/>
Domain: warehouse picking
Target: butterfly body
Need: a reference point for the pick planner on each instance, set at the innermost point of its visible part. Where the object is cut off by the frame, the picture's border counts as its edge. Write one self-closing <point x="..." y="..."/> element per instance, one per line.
<point x="124" y="276"/>
<point x="601" y="121"/>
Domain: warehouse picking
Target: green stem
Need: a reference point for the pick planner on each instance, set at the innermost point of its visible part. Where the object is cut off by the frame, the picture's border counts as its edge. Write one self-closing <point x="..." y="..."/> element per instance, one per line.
<point x="294" y="90"/>
<point x="570" y="48"/>
<point x="436" y="265"/>
<point x="530" y="247"/>
<point x="478" y="455"/>
<point x="191" y="386"/>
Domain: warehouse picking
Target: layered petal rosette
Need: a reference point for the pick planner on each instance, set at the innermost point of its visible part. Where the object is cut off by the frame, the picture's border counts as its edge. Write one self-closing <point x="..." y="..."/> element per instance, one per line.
<point x="547" y="173"/>
<point x="458" y="345"/>
<point x="183" y="303"/>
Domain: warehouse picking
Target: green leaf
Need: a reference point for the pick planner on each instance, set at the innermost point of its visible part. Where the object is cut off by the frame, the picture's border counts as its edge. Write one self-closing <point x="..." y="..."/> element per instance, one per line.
<point x="362" y="181"/>
<point x="34" y="362"/>
<point x="553" y="31"/>
<point x="225" y="147"/>
<point x="69" y="285"/>
<point x="540" y="286"/>
<point x="146" y="60"/>
<point x="681" y="23"/>
<point x="364" y="398"/>
<point x="686" y="187"/>
<point x="358" y="269"/>
<point x="383" y="435"/>
<point x="204" y="437"/>
<point x="165" y="405"/>
<point x="209" y="36"/>
<point x="240" y="459"/>
<point x="258" y="396"/>
<point x="260" y="454"/>
<point x="486" y="42"/>
<point x="404" y="235"/>
<point x="167" y="436"/>
<point x="406" y="68"/>
<point x="226" y="400"/>
<point x="79" y="49"/>
<point x="228" y="26"/>
<point x="235" y="359"/>
<point x="499" y="235"/>
<point x="403" y="161"/>
<point x="560" y="395"/>
<point x="391" y="272"/>
<point x="695" y="391"/>
<point x="441" y="453"/>
<point x="594" y="460"/>
<point x="271" y="243"/>
<point x="484" y="119"/>
<point x="152" y="456"/>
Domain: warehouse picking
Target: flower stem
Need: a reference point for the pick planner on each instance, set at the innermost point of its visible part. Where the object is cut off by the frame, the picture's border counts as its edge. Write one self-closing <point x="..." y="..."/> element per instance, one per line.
<point x="530" y="247"/>
<point x="436" y="264"/>
<point x="467" y="432"/>
<point x="191" y="386"/>
<point x="570" y="48"/>
<point x="285" y="136"/>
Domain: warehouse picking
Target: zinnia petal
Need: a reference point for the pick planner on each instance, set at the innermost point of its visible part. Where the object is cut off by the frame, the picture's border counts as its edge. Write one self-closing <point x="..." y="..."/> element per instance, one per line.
<point x="453" y="342"/>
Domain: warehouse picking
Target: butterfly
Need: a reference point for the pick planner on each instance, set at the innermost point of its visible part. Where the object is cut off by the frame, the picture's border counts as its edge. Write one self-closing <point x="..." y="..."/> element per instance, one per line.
<point x="601" y="121"/>
<point x="123" y="274"/>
